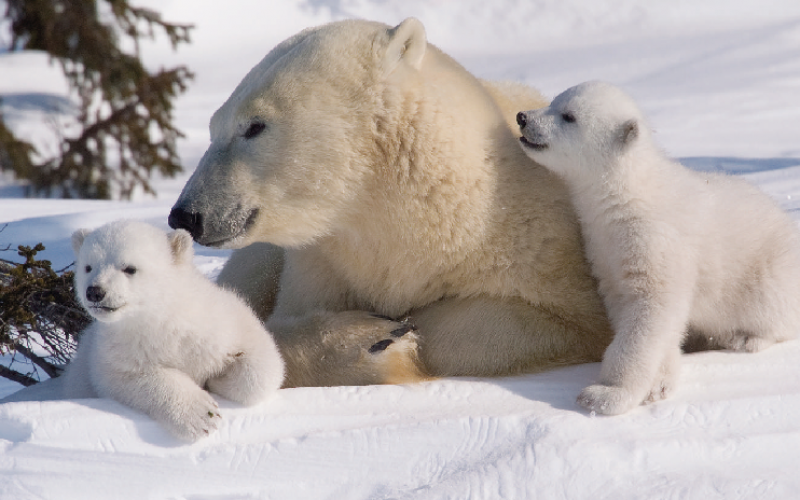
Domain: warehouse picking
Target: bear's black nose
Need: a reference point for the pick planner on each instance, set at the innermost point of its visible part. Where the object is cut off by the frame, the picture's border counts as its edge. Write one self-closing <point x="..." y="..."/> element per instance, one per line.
<point x="95" y="294"/>
<point x="190" y="221"/>
<point x="521" y="120"/>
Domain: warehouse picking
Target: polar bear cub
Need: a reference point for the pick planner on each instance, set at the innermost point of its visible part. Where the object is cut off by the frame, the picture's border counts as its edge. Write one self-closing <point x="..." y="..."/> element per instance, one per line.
<point x="163" y="332"/>
<point x="675" y="252"/>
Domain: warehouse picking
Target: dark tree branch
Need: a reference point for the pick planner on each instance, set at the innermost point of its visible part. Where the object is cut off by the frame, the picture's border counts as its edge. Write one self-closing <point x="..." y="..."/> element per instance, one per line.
<point x="50" y="369"/>
<point x="15" y="376"/>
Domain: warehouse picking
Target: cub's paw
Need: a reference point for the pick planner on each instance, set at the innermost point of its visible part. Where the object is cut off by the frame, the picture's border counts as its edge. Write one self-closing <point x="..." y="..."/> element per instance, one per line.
<point x="666" y="378"/>
<point x="607" y="400"/>
<point x="196" y="418"/>
<point x="661" y="390"/>
<point x="749" y="343"/>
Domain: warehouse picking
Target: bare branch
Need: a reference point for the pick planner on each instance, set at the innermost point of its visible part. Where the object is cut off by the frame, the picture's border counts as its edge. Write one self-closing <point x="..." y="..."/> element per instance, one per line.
<point x="50" y="369"/>
<point x="10" y="374"/>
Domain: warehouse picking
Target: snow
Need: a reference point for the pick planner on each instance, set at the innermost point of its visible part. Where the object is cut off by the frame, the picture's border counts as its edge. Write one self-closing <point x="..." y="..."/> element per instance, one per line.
<point x="719" y="81"/>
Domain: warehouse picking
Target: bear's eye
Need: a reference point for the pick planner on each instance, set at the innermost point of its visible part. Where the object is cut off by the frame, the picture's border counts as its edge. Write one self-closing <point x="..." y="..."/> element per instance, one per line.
<point x="130" y="270"/>
<point x="254" y="129"/>
<point x="568" y="117"/>
<point x="88" y="269"/>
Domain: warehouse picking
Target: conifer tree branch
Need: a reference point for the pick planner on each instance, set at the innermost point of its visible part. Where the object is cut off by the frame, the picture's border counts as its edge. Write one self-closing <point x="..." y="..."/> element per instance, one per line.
<point x="108" y="84"/>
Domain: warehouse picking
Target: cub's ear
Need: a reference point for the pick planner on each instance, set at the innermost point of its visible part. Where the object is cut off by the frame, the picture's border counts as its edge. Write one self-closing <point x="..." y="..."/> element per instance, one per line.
<point x="628" y="132"/>
<point x="77" y="239"/>
<point x="407" y="42"/>
<point x="180" y="241"/>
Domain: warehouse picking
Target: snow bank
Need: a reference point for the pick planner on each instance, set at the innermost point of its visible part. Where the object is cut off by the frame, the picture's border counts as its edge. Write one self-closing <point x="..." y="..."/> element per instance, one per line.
<point x="730" y="432"/>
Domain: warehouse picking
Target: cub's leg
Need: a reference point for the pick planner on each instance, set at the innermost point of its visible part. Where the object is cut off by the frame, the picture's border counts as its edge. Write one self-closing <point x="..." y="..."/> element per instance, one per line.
<point x="253" y="374"/>
<point x="667" y="376"/>
<point x="168" y="396"/>
<point x="641" y="363"/>
<point x="744" y="342"/>
<point x="764" y="302"/>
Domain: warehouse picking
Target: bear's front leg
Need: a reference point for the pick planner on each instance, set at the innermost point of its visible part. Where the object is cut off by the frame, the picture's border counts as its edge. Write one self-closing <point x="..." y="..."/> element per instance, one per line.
<point x="487" y="336"/>
<point x="324" y="343"/>
<point x="254" y="274"/>
<point x="168" y="396"/>
<point x="346" y="348"/>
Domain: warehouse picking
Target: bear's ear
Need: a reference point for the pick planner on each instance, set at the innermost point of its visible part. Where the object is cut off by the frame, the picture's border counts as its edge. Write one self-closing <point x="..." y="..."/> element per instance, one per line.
<point x="628" y="132"/>
<point x="407" y="42"/>
<point x="180" y="241"/>
<point x="77" y="239"/>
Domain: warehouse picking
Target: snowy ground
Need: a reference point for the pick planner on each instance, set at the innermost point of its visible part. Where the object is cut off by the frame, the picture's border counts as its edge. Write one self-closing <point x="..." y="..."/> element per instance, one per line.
<point x="721" y="82"/>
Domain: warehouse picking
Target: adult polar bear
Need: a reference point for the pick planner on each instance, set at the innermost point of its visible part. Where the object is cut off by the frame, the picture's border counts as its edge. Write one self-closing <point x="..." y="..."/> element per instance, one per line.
<point x="373" y="176"/>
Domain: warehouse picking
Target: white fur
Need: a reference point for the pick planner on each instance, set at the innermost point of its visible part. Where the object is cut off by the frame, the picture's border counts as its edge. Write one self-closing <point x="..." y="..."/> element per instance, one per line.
<point x="163" y="332"/>
<point x="393" y="183"/>
<point x="675" y="251"/>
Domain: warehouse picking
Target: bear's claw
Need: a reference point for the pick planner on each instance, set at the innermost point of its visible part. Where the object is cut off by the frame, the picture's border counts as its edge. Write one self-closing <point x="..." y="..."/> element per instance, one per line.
<point x="381" y="346"/>
<point x="399" y="332"/>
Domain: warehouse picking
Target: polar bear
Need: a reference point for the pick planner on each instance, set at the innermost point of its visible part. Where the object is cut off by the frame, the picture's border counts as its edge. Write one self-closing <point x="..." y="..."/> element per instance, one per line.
<point x="388" y="226"/>
<point x="163" y="332"/>
<point x="675" y="251"/>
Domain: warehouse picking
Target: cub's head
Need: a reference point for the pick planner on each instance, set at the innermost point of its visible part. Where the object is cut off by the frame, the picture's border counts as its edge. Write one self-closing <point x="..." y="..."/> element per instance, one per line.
<point x="127" y="266"/>
<point x="583" y="131"/>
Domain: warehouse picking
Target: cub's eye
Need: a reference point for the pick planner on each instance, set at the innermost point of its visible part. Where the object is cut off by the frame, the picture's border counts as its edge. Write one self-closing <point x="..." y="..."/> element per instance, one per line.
<point x="254" y="129"/>
<point x="568" y="117"/>
<point x="130" y="270"/>
<point x="88" y="269"/>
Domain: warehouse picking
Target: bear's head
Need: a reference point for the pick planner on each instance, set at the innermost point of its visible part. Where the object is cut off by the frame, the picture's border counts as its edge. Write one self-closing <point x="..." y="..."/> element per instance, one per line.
<point x="583" y="132"/>
<point x="300" y="143"/>
<point x="127" y="266"/>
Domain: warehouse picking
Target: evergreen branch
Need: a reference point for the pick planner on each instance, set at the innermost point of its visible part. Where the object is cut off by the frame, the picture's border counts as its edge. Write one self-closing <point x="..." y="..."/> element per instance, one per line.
<point x="103" y="77"/>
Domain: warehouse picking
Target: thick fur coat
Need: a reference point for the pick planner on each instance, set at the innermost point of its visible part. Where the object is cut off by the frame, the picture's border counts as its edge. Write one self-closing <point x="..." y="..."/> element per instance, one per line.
<point x="375" y="180"/>
<point x="163" y="333"/>
<point x="677" y="253"/>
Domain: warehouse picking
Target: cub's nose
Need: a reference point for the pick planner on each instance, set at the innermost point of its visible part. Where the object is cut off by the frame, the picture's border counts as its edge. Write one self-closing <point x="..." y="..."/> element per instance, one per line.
<point x="521" y="120"/>
<point x="95" y="294"/>
<point x="190" y="221"/>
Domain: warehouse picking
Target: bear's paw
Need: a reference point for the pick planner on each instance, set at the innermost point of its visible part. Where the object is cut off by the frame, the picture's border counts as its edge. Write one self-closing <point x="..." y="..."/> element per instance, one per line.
<point x="395" y="358"/>
<point x="348" y="348"/>
<point x="196" y="417"/>
<point x="607" y="400"/>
